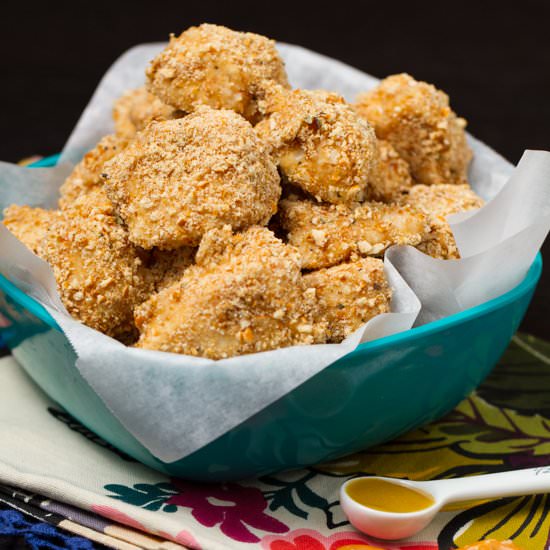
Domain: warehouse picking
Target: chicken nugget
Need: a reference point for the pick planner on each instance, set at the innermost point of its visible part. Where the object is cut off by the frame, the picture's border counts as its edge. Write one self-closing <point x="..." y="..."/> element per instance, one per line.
<point x="245" y="294"/>
<point x="98" y="271"/>
<point x="86" y="175"/>
<point x="179" y="178"/>
<point x="165" y="267"/>
<point x="327" y="235"/>
<point x="350" y="294"/>
<point x="29" y="224"/>
<point x="216" y="66"/>
<point x="137" y="108"/>
<point x="319" y="142"/>
<point x="438" y="202"/>
<point x="391" y="175"/>
<point x="415" y="117"/>
<point x="94" y="202"/>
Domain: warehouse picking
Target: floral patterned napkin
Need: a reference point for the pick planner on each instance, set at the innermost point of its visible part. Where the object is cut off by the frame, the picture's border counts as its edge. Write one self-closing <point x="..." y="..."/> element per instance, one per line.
<point x="52" y="464"/>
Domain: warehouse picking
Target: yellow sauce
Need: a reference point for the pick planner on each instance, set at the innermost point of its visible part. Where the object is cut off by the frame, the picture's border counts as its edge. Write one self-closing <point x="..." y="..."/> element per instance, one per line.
<point x="387" y="497"/>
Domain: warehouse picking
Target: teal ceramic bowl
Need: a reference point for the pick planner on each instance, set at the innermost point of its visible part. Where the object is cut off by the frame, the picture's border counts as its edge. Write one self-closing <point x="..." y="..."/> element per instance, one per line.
<point x="375" y="393"/>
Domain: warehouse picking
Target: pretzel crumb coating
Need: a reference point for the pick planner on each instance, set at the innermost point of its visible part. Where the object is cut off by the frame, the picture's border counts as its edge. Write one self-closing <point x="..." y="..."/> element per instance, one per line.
<point x="165" y="267"/>
<point x="86" y="175"/>
<point x="319" y="142"/>
<point x="98" y="271"/>
<point x="135" y="109"/>
<point x="391" y="175"/>
<point x="416" y="118"/>
<point x="216" y="66"/>
<point x="179" y="178"/>
<point x="350" y="294"/>
<point x="29" y="224"/>
<point x="245" y="294"/>
<point x="438" y="202"/>
<point x="326" y="235"/>
<point x="94" y="202"/>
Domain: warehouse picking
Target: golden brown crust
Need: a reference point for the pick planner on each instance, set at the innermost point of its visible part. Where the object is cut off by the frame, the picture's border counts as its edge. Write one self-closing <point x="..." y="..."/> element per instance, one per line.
<point x="417" y="120"/>
<point x="95" y="201"/>
<point x="327" y="235"/>
<point x="135" y="109"/>
<point x="215" y="66"/>
<point x="390" y="176"/>
<point x="245" y="294"/>
<point x="321" y="145"/>
<point x="165" y="267"/>
<point x="87" y="173"/>
<point x="98" y="271"/>
<point x="29" y="224"/>
<point x="177" y="179"/>
<point x="438" y="202"/>
<point x="350" y="294"/>
<point x="123" y="246"/>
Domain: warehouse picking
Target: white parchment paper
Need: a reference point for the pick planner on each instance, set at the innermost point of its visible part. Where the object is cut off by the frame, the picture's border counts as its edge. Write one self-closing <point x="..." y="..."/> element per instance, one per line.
<point x="176" y="404"/>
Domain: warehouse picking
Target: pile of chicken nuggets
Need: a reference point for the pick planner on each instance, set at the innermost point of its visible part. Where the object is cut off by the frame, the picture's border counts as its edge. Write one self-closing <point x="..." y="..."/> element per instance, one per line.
<point x="232" y="214"/>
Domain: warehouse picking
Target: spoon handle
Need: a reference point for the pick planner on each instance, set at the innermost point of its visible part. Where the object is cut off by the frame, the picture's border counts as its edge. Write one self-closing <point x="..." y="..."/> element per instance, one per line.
<point x="528" y="481"/>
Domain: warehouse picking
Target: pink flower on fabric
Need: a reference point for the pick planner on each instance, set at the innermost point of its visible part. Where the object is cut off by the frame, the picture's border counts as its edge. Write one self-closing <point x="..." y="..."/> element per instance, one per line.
<point x="118" y="516"/>
<point x="307" y="539"/>
<point x="185" y="538"/>
<point x="233" y="507"/>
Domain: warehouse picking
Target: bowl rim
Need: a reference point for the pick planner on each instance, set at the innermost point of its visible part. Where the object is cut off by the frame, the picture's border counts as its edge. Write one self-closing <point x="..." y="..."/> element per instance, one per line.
<point x="526" y="285"/>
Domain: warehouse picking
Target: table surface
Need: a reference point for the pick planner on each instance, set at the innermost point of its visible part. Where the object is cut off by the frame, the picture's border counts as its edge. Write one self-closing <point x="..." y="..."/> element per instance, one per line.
<point x="491" y="57"/>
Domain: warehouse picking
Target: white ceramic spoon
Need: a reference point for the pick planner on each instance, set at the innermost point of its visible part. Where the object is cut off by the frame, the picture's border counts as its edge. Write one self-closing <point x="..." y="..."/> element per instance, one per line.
<point x="398" y="525"/>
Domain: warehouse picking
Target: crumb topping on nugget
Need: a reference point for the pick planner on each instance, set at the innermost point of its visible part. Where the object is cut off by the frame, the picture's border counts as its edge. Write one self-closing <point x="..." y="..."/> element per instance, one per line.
<point x="98" y="271"/>
<point x="327" y="235"/>
<point x="86" y="175"/>
<point x="216" y="66"/>
<point x="438" y="202"/>
<point x="165" y="267"/>
<point x="180" y="178"/>
<point x="391" y="175"/>
<point x="320" y="143"/>
<point x="28" y="224"/>
<point x="350" y="294"/>
<point x="137" y="108"/>
<point x="245" y="294"/>
<point x="415" y="117"/>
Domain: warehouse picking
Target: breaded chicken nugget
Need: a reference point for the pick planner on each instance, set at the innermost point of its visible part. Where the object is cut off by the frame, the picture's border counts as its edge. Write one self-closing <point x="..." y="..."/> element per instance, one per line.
<point x="29" y="224"/>
<point x="165" y="267"/>
<point x="98" y="271"/>
<point x="245" y="294"/>
<point x="415" y="117"/>
<point x="87" y="173"/>
<point x="179" y="178"/>
<point x="350" y="294"/>
<point x="391" y="175"/>
<point x="137" y="108"/>
<point x="215" y="66"/>
<point x="438" y="202"/>
<point x="320" y="143"/>
<point x="327" y="235"/>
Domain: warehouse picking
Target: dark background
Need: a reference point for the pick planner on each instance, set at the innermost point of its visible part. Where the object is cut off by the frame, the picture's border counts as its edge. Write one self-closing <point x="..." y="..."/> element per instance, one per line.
<point x="492" y="58"/>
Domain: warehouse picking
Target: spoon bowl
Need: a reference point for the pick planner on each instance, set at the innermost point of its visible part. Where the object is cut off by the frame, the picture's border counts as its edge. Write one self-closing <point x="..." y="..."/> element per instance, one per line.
<point x="391" y="509"/>
<point x="383" y="524"/>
